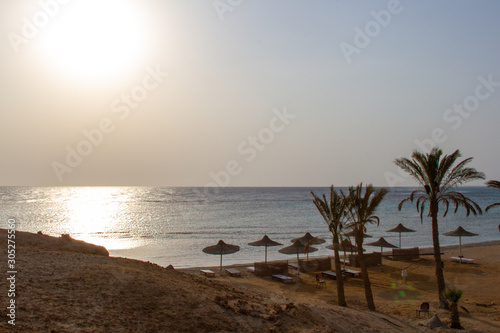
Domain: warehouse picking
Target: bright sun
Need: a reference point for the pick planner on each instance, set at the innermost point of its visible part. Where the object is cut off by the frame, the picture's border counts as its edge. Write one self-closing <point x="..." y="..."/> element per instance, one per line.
<point x="96" y="40"/>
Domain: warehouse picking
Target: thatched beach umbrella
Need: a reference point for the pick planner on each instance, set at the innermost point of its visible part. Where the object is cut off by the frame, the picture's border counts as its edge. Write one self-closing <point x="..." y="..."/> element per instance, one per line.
<point x="265" y="241"/>
<point x="221" y="248"/>
<point x="382" y="243"/>
<point x="309" y="239"/>
<point x="353" y="234"/>
<point x="400" y="228"/>
<point x="460" y="232"/>
<point x="296" y="248"/>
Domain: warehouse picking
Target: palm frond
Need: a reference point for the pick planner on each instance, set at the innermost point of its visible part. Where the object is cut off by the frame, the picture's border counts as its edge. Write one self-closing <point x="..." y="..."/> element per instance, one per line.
<point x="411" y="168"/>
<point x="460" y="200"/>
<point x="496" y="204"/>
<point x="460" y="175"/>
<point x="493" y="184"/>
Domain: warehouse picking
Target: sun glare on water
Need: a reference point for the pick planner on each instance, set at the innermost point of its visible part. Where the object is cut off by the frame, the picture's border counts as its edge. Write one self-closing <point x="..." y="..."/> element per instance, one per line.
<point x="94" y="215"/>
<point x="96" y="40"/>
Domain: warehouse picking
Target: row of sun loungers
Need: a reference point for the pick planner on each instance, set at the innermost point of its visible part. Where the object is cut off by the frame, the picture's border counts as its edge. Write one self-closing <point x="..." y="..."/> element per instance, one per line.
<point x="231" y="271"/>
<point x="283" y="278"/>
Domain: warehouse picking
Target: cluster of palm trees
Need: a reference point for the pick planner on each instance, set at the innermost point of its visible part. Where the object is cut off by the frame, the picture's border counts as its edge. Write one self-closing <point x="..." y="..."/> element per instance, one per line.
<point x="351" y="211"/>
<point x="438" y="174"/>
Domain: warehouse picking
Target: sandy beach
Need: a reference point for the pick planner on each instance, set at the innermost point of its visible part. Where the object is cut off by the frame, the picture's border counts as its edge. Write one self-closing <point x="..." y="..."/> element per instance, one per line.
<point x="73" y="289"/>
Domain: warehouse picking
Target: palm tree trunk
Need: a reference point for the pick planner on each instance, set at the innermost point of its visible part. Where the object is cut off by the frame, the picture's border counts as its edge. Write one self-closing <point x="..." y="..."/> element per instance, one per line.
<point x="338" y="271"/>
<point x="364" y="271"/>
<point x="455" y="317"/>
<point x="443" y="304"/>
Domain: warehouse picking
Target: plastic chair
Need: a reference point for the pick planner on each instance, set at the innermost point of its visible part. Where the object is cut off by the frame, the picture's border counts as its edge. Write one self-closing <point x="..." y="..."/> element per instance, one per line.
<point x="320" y="283"/>
<point x="424" y="307"/>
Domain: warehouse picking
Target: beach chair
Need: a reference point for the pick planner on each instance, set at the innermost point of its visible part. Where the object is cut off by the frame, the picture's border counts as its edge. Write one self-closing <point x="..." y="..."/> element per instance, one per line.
<point x="351" y="272"/>
<point x="282" y="278"/>
<point x="320" y="283"/>
<point x="462" y="260"/>
<point x="207" y="272"/>
<point x="424" y="307"/>
<point x="331" y="275"/>
<point x="233" y="272"/>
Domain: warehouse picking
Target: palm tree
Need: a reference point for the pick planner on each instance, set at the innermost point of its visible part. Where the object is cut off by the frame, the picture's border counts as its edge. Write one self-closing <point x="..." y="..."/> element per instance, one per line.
<point x="438" y="176"/>
<point x="454" y="295"/>
<point x="493" y="184"/>
<point x="361" y="208"/>
<point x="334" y="213"/>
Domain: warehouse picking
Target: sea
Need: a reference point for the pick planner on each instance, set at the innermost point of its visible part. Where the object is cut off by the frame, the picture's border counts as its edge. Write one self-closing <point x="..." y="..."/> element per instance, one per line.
<point x="171" y="225"/>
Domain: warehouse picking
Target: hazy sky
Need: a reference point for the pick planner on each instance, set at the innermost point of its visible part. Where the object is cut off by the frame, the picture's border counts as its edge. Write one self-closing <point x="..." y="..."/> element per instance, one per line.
<point x="243" y="93"/>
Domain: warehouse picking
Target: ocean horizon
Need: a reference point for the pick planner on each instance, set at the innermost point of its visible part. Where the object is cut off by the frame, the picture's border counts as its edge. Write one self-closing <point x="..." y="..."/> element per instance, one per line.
<point x="171" y="225"/>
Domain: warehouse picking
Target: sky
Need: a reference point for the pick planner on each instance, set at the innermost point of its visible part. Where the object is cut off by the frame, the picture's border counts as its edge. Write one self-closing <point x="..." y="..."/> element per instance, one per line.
<point x="243" y="93"/>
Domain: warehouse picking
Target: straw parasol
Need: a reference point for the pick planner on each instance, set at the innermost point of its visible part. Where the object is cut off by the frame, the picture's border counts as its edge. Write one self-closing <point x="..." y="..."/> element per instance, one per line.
<point x="309" y="239"/>
<point x="382" y="243"/>
<point x="460" y="232"/>
<point x="221" y="248"/>
<point x="265" y="241"/>
<point x="296" y="248"/>
<point x="400" y="228"/>
<point x="353" y="234"/>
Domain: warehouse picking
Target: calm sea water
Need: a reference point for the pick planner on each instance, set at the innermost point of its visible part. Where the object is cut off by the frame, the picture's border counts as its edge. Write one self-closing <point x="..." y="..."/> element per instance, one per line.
<point x="173" y="225"/>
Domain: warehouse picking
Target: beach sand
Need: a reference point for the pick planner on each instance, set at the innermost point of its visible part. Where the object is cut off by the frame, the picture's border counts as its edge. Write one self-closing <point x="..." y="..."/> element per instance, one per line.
<point x="61" y="289"/>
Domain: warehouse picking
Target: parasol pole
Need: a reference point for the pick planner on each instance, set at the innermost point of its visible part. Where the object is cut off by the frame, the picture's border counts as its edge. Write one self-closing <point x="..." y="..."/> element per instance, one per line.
<point x="298" y="264"/>
<point x="460" y="247"/>
<point x="400" y="240"/>
<point x="265" y="260"/>
<point x="220" y="261"/>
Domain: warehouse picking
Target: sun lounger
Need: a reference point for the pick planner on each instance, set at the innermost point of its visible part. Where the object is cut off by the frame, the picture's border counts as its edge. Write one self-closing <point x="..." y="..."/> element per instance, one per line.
<point x="251" y="269"/>
<point x="331" y="274"/>
<point x="207" y="272"/>
<point x="283" y="278"/>
<point x="233" y="272"/>
<point x="462" y="260"/>
<point x="351" y="272"/>
<point x="292" y="264"/>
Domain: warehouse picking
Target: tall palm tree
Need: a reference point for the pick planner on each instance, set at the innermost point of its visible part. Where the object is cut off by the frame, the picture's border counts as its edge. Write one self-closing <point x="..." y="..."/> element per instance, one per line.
<point x="334" y="213"/>
<point x="361" y="208"/>
<point x="493" y="184"/>
<point x="438" y="176"/>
